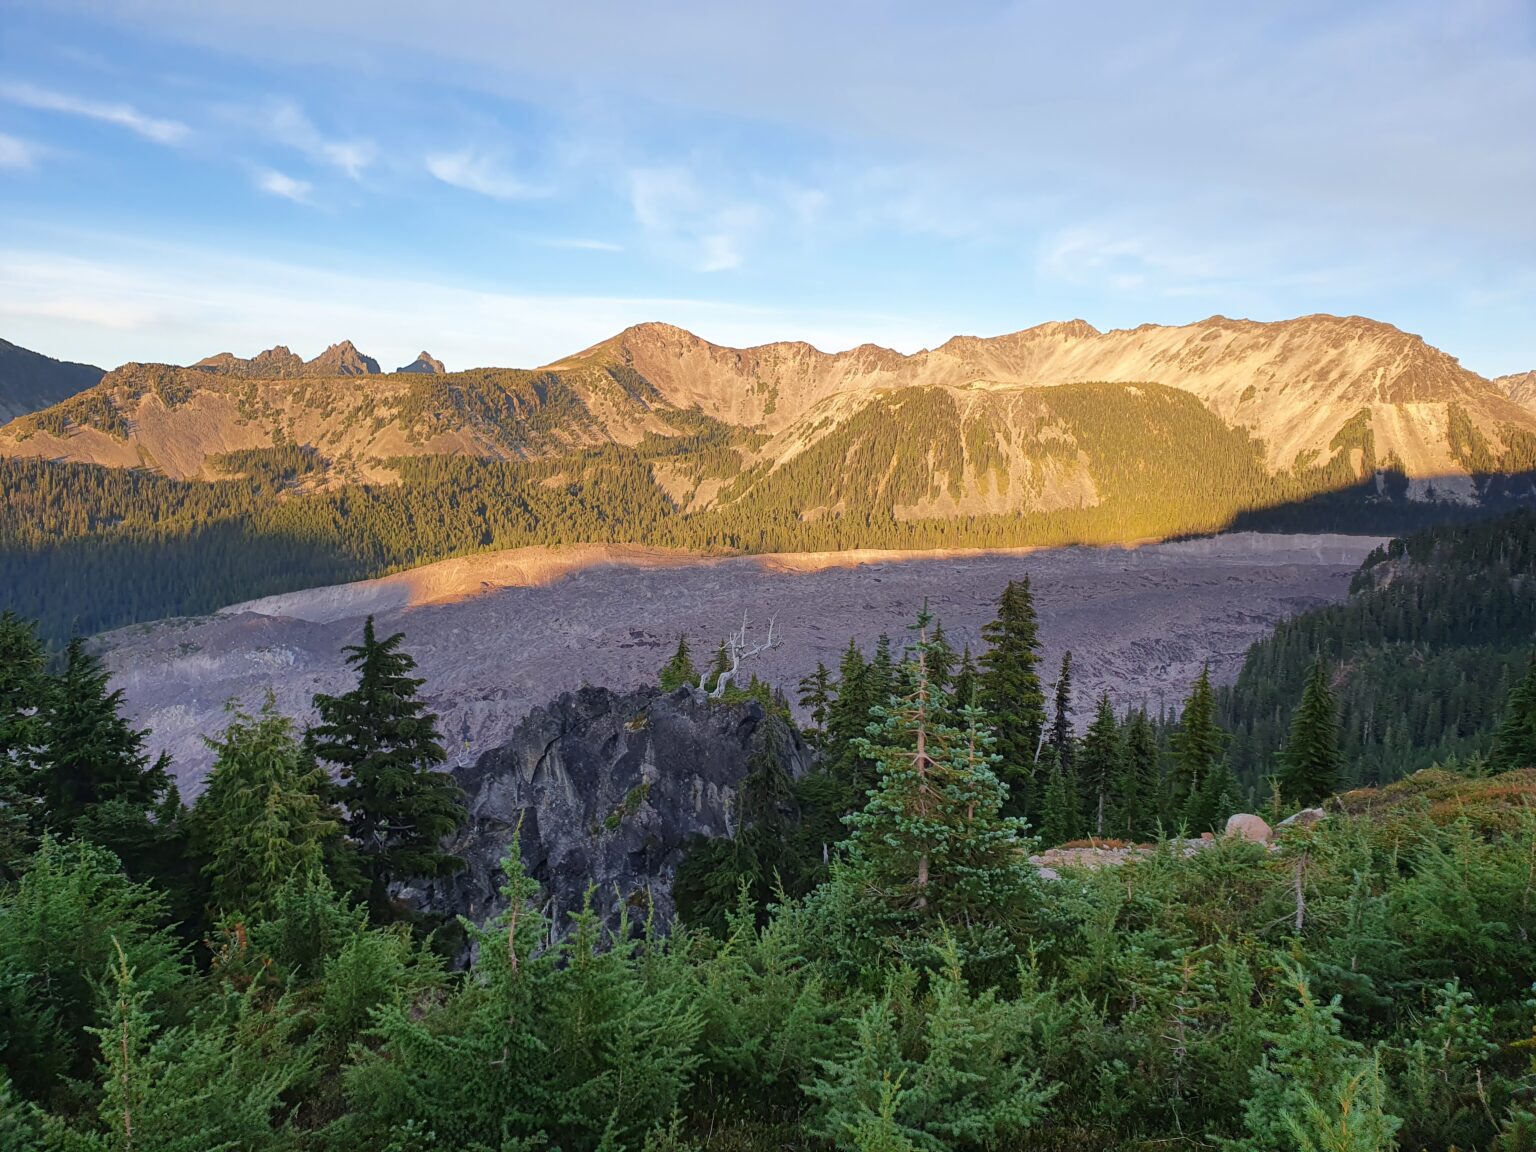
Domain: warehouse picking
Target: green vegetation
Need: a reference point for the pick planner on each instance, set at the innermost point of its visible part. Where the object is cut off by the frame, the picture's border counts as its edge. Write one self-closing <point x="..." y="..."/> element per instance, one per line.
<point x="870" y="962"/>
<point x="1436" y="633"/>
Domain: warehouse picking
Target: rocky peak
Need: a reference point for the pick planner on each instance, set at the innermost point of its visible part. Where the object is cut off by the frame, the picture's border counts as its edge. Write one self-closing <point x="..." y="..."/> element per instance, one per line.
<point x="343" y="360"/>
<point x="1519" y="387"/>
<point x="606" y="788"/>
<point x="275" y="361"/>
<point x="280" y="363"/>
<point x="426" y="364"/>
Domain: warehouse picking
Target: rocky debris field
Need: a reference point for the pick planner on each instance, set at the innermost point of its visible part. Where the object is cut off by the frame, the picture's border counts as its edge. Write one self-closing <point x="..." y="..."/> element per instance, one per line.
<point x="1140" y="623"/>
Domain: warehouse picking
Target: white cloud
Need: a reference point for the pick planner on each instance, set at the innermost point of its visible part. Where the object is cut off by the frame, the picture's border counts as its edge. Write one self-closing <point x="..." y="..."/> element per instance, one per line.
<point x="137" y="300"/>
<point x="279" y="184"/>
<point x="16" y="153"/>
<point x="687" y="224"/>
<point x="477" y="173"/>
<point x="122" y="115"/>
<point x="288" y="125"/>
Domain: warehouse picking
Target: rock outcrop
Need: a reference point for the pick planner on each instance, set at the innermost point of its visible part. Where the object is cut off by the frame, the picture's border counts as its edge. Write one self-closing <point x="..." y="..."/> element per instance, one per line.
<point x="426" y="364"/>
<point x="280" y="363"/>
<point x="604" y="790"/>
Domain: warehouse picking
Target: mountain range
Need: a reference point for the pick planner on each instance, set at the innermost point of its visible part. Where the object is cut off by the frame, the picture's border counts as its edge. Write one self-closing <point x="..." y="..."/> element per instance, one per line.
<point x="1023" y="421"/>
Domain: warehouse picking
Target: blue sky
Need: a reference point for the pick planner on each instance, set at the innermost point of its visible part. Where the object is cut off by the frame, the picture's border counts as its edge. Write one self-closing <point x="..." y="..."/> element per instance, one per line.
<point x="503" y="183"/>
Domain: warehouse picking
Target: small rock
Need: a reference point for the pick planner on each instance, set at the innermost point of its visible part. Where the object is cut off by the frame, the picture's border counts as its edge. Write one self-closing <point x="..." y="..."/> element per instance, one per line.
<point x="1249" y="827"/>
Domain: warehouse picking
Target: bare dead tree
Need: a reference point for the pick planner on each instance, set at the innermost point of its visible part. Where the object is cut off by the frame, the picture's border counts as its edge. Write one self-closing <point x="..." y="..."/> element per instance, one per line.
<point x="737" y="649"/>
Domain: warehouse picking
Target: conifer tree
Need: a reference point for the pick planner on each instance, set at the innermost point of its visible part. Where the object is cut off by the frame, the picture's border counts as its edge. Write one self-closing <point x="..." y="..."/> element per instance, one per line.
<point x="1010" y="691"/>
<point x="816" y="696"/>
<point x="1217" y="798"/>
<point x="932" y="840"/>
<point x="679" y="670"/>
<point x="1310" y="764"/>
<point x="1060" y="810"/>
<point x="882" y="683"/>
<point x="1197" y="741"/>
<point x="94" y="778"/>
<point x="1312" y="1080"/>
<point x="22" y="690"/>
<point x="1062" y="738"/>
<point x="967" y="682"/>
<point x="1100" y="766"/>
<point x="847" y="718"/>
<point x="1136" y="796"/>
<point x="263" y="818"/>
<point x="718" y="667"/>
<point x="386" y="747"/>
<point x="940" y="659"/>
<point x="22" y="686"/>
<point x="1515" y="744"/>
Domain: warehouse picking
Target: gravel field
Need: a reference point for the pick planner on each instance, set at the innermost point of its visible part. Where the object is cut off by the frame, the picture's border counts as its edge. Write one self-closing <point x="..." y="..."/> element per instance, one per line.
<point x="496" y="635"/>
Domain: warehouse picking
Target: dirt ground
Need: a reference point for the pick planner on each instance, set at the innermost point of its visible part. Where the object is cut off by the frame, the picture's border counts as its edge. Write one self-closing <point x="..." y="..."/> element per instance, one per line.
<point x="1140" y="622"/>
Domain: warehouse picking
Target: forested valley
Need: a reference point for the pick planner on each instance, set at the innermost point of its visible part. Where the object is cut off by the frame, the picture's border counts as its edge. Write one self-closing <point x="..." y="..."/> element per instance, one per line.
<point x="84" y="548"/>
<point x="872" y="961"/>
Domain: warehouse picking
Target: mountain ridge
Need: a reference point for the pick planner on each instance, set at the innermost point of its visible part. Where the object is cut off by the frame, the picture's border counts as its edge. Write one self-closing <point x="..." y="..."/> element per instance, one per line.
<point x="1320" y="391"/>
<point x="31" y="381"/>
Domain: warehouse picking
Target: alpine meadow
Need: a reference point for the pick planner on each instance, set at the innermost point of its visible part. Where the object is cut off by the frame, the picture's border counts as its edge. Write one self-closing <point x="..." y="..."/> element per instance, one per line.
<point x="705" y="704"/>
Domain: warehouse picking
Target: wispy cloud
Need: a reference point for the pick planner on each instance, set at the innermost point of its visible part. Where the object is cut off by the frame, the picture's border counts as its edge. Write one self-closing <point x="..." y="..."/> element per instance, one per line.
<point x="680" y="218"/>
<point x="122" y="115"/>
<point x="475" y="172"/>
<point x="16" y="153"/>
<point x="288" y="124"/>
<point x="131" y="299"/>
<point x="279" y="184"/>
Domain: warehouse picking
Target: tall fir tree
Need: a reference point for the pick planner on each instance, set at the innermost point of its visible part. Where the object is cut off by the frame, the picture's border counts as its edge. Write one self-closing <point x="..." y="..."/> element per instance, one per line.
<point x="1198" y="742"/>
<point x="847" y="718"/>
<point x="1514" y="746"/>
<point x="967" y="683"/>
<point x="679" y="671"/>
<point x="940" y="660"/>
<point x="1310" y="764"/>
<point x="1010" y="692"/>
<point x="1060" y="809"/>
<point x="816" y="696"/>
<point x="93" y="776"/>
<point x="932" y="841"/>
<point x="1100" y="767"/>
<point x="1136" y="809"/>
<point x="882" y="683"/>
<point x="1062" y="737"/>
<point x="22" y="697"/>
<point x="264" y="817"/>
<point x="385" y="745"/>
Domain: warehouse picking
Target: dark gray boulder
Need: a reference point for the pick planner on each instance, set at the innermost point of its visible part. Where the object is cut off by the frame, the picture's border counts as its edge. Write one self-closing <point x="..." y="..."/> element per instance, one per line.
<point x="607" y="789"/>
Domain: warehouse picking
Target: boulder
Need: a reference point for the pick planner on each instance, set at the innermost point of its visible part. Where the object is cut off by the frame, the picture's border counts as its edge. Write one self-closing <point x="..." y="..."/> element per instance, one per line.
<point x="1249" y="827"/>
<point x="605" y="789"/>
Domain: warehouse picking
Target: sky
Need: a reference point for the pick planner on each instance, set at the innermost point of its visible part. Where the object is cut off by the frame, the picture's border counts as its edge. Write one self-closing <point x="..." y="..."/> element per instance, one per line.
<point x="503" y="183"/>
